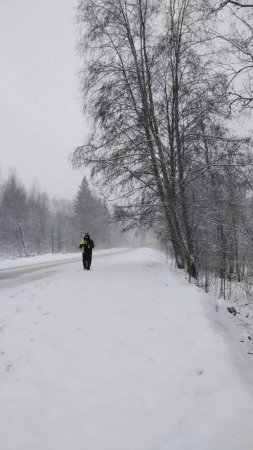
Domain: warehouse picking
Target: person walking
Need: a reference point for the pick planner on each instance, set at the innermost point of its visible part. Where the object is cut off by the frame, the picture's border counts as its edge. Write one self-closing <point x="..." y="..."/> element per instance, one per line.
<point x="86" y="245"/>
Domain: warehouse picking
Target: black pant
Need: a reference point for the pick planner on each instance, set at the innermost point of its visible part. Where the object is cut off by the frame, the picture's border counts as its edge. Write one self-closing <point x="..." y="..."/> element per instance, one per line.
<point x="87" y="258"/>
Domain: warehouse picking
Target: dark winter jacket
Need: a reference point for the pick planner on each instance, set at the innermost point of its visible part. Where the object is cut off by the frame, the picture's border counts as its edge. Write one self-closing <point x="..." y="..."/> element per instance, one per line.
<point x="86" y="244"/>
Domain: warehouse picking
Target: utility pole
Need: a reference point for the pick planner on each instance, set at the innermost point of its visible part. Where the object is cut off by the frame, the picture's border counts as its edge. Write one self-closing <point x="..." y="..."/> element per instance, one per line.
<point x="22" y="238"/>
<point x="52" y="240"/>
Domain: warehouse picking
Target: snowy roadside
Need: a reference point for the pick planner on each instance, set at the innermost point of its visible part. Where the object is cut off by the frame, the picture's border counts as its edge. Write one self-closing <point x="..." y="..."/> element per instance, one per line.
<point x="128" y="356"/>
<point x="238" y="307"/>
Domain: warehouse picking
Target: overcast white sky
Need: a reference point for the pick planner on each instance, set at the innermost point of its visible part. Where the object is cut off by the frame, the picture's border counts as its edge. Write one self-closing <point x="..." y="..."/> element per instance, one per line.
<point x="41" y="117"/>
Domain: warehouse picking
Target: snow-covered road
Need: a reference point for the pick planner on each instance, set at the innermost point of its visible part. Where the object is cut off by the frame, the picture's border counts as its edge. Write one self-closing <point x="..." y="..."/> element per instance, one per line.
<point x="128" y="356"/>
<point x="15" y="272"/>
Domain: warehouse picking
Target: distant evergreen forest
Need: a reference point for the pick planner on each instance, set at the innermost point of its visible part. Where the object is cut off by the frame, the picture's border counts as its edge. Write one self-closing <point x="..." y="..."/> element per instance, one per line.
<point x="32" y="223"/>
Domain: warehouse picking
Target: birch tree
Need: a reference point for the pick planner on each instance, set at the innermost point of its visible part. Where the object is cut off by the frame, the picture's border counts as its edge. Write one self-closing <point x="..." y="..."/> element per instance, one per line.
<point x="148" y="90"/>
<point x="129" y="147"/>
